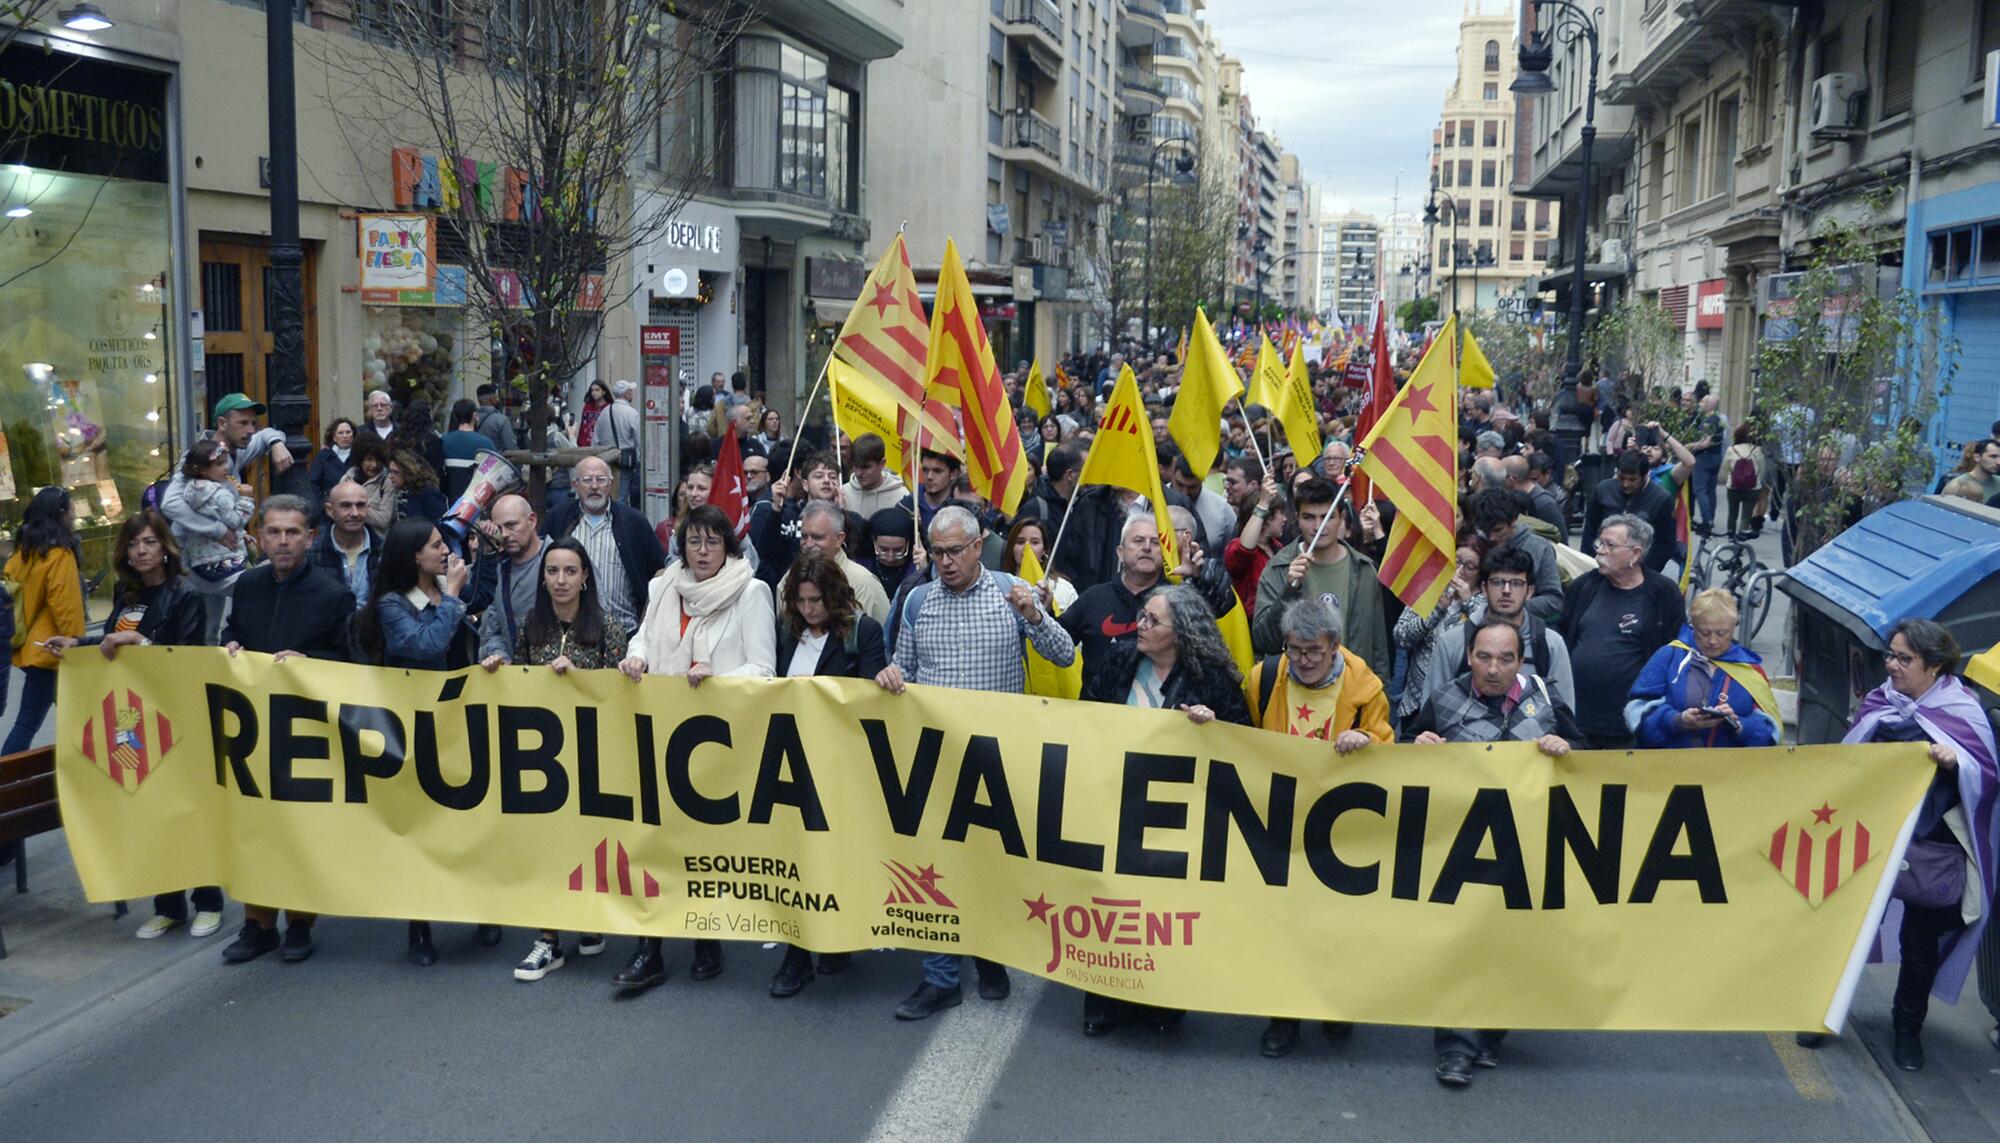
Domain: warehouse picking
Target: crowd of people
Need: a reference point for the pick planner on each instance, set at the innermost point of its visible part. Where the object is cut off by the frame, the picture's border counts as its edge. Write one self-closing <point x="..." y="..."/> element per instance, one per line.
<point x="847" y="571"/>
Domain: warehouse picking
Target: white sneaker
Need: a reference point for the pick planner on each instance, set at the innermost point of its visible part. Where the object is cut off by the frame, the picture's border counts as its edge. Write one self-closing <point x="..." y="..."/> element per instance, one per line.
<point x="156" y="925"/>
<point x="589" y="944"/>
<point x="206" y="924"/>
<point x="544" y="958"/>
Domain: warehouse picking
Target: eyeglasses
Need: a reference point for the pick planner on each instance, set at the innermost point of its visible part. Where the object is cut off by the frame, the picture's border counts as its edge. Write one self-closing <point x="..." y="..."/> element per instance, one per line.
<point x="1903" y="660"/>
<point x="1608" y="546"/>
<point x="952" y="551"/>
<point x="590" y="481"/>
<point x="1310" y="650"/>
<point x="1146" y="622"/>
<point x="1507" y="583"/>
<point x="703" y="541"/>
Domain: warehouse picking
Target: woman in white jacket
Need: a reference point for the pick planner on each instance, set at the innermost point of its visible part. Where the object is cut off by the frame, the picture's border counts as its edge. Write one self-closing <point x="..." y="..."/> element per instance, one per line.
<point x="706" y="614"/>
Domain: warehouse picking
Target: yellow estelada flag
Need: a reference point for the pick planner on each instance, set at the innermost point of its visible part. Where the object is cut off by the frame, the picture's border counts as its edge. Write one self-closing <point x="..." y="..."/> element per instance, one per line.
<point x="1412" y="456"/>
<point x="862" y="406"/>
<point x="1475" y="371"/>
<point x="1035" y="394"/>
<point x="1045" y="678"/>
<point x="1208" y="383"/>
<point x="1294" y="407"/>
<point x="961" y="374"/>
<point x="1121" y="455"/>
<point x="1267" y="379"/>
<point x="1180" y="347"/>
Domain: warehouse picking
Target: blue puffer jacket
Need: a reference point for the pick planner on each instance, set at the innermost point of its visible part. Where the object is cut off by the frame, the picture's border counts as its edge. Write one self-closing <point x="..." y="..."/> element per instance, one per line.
<point x="1659" y="695"/>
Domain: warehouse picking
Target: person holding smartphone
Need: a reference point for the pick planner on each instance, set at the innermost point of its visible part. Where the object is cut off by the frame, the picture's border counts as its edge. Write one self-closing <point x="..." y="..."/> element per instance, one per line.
<point x="1704" y="688"/>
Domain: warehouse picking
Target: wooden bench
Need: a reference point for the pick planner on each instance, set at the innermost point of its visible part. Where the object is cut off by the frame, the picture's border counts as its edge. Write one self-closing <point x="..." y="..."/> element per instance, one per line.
<point x="27" y="808"/>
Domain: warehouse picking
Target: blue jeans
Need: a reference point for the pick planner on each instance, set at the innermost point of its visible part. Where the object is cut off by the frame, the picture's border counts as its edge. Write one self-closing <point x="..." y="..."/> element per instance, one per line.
<point x="1707" y="470"/>
<point x="941" y="969"/>
<point x="38" y="694"/>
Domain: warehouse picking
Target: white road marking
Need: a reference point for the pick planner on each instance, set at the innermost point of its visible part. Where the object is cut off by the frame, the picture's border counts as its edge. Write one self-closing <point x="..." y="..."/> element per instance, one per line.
<point x="946" y="1088"/>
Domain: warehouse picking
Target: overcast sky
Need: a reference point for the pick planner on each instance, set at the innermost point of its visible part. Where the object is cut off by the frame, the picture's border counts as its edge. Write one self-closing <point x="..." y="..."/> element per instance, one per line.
<point x="1353" y="87"/>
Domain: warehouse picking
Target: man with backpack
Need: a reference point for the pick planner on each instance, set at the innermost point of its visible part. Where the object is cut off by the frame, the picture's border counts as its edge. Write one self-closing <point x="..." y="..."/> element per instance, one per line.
<point x="1507" y="583"/>
<point x="493" y="423"/>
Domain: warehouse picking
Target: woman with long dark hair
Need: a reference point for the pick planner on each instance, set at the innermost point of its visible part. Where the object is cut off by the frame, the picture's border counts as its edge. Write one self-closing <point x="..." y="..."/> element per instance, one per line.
<point x="154" y="604"/>
<point x="596" y="399"/>
<point x="1030" y="532"/>
<point x="821" y="632"/>
<point x="567" y="630"/>
<point x="707" y="614"/>
<point x="416" y="485"/>
<point x="48" y="603"/>
<point x="416" y="620"/>
<point x="416" y="431"/>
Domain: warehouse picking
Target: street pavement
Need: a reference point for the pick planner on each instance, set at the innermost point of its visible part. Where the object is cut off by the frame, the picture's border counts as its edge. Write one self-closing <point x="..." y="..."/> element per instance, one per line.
<point x="105" y="1037"/>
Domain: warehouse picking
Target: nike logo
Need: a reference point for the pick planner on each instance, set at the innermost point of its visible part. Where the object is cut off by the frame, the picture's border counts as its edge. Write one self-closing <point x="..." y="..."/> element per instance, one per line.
<point x="1114" y="630"/>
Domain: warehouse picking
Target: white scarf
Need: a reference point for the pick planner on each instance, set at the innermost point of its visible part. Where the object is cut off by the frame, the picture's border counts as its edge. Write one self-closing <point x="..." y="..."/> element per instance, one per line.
<point x="706" y="602"/>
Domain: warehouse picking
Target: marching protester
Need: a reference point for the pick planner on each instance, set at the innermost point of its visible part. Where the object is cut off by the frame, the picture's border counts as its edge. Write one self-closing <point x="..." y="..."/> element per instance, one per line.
<point x="625" y="555"/>
<point x="1316" y="688"/>
<point x="823" y="529"/>
<point x="966" y="630"/>
<point x="416" y="620"/>
<point x="153" y="604"/>
<point x="284" y="607"/>
<point x="707" y="615"/>
<point x="462" y="446"/>
<point x="694" y="491"/>
<point x="1030" y="534"/>
<point x="416" y="485"/>
<point x="892" y="539"/>
<point x="1333" y="570"/>
<point x="1495" y="514"/>
<point x="775" y="523"/>
<point x="1108" y="613"/>
<point x="334" y="458"/>
<point x="1506" y="591"/>
<point x="1176" y="661"/>
<point x="564" y="629"/>
<point x="380" y="411"/>
<point x="209" y="512"/>
<point x="48" y="604"/>
<point x="1704" y="689"/>
<point x="1615" y="617"/>
<point x="1416" y="633"/>
<point x="1633" y="492"/>
<point x="822" y="632"/>
<point x="1945" y="890"/>
<point x="1260" y="535"/>
<point x="1498" y="702"/>
<point x="493" y="423"/>
<point x="519" y="584"/>
<point x="416" y="432"/>
<point x="346" y="547"/>
<point x="870" y="485"/>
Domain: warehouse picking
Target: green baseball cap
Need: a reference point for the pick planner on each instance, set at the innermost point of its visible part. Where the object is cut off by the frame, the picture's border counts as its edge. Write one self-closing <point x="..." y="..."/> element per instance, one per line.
<point x="234" y="401"/>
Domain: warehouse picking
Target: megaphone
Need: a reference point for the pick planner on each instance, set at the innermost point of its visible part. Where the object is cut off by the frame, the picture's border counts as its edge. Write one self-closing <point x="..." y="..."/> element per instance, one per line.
<point x="492" y="477"/>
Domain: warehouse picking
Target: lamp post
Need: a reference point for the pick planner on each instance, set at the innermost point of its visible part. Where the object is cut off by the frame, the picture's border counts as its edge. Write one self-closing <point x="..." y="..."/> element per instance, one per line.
<point x="1184" y="162"/>
<point x="1431" y="215"/>
<point x="1481" y="258"/>
<point x="1571" y="24"/>
<point x="1257" y="262"/>
<point x="285" y="385"/>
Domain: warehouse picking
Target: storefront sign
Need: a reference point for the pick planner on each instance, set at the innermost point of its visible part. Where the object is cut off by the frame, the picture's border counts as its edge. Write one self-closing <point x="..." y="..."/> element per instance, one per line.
<point x="446" y="290"/>
<point x="421" y="180"/>
<point x="659" y="341"/>
<point x="835" y="278"/>
<point x="997" y="218"/>
<point x="398" y="251"/>
<point x="82" y="116"/>
<point x="680" y="235"/>
<point x="1708" y="303"/>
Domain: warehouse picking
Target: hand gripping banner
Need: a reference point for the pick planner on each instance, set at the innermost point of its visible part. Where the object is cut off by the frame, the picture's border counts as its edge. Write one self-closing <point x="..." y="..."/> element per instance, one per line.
<point x="1124" y="851"/>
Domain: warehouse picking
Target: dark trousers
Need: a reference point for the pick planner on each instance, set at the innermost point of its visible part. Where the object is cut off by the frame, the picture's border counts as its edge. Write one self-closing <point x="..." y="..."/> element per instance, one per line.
<point x="38" y="694"/>
<point x="1611" y="741"/>
<point x="1707" y="468"/>
<point x="1922" y="935"/>
<point x="1471" y="1041"/>
<point x="1743" y="501"/>
<point x="207" y="899"/>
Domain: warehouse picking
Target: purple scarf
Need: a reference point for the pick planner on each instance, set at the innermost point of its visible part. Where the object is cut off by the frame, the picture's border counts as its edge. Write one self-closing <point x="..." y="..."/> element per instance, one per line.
<point x="1948" y="713"/>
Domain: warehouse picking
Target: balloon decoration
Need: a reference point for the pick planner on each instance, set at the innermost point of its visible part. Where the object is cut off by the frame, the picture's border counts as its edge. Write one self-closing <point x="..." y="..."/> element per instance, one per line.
<point x="410" y="362"/>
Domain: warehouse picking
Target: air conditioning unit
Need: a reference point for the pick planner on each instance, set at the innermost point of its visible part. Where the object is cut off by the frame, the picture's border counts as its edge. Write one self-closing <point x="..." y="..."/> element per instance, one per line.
<point x="1836" y="104"/>
<point x="1614" y="252"/>
<point x="1614" y="206"/>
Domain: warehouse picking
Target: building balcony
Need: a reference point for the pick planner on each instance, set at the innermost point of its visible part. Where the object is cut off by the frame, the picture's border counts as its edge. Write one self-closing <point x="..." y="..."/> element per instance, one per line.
<point x="1143" y="22"/>
<point x="1685" y="38"/>
<point x="1029" y="131"/>
<point x="1037" y="24"/>
<point x="1141" y="92"/>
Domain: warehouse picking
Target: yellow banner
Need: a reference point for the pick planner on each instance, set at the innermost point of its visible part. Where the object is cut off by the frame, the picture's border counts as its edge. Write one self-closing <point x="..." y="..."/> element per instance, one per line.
<point x="1121" y="850"/>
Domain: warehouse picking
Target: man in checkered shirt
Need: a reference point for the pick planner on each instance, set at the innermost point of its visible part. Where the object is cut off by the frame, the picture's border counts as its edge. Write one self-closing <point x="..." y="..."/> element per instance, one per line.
<point x="966" y="631"/>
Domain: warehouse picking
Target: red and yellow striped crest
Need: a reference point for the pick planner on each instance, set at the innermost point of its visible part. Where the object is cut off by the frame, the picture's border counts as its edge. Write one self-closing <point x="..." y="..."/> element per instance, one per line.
<point x="886" y="341"/>
<point x="1817" y="857"/>
<point x="125" y="742"/>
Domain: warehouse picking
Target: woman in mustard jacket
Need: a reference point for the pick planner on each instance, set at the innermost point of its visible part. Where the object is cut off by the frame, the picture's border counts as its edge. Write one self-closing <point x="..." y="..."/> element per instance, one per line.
<point x="49" y="602"/>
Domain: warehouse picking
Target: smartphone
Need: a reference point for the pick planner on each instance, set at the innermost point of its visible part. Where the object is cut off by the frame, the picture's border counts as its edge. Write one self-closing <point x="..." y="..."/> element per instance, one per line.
<point x="1725" y="714"/>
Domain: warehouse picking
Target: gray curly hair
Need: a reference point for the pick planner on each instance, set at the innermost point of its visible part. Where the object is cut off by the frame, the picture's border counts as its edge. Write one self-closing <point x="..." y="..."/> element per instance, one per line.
<point x="1197" y="639"/>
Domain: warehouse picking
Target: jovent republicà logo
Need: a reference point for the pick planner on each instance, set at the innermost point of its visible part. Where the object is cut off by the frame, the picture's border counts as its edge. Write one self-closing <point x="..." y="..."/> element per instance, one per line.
<point x="1817" y="857"/>
<point x="603" y="882"/>
<point x="1107" y="923"/>
<point x="126" y="744"/>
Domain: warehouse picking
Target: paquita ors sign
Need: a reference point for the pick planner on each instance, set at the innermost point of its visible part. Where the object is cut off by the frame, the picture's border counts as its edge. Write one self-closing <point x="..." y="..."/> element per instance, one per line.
<point x="397" y="252"/>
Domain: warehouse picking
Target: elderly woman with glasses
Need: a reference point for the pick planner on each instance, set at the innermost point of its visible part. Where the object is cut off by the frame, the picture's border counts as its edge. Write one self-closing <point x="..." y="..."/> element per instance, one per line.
<point x="1177" y="661"/>
<point x="1704" y="688"/>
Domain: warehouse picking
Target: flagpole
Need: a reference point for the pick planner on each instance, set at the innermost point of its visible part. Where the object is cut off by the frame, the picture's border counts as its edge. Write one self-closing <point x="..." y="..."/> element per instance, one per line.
<point x="1347" y="469"/>
<point x="1049" y="569"/>
<point x="806" y="411"/>
<point x="1251" y="433"/>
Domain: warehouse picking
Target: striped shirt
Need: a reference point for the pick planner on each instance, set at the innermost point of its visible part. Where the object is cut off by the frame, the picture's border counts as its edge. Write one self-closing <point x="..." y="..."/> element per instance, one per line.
<point x="972" y="639"/>
<point x="600" y="541"/>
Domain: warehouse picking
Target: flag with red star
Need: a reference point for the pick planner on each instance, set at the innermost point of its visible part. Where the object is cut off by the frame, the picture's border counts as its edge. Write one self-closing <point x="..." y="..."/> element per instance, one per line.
<point x="961" y="373"/>
<point x="1413" y="460"/>
<point x="886" y="342"/>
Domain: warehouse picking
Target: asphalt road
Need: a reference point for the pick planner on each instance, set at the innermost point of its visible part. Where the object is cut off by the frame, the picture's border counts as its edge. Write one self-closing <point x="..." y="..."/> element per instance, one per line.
<point x="357" y="1044"/>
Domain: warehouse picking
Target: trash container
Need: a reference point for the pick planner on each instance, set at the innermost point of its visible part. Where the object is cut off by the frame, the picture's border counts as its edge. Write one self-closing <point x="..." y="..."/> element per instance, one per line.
<point x="1936" y="557"/>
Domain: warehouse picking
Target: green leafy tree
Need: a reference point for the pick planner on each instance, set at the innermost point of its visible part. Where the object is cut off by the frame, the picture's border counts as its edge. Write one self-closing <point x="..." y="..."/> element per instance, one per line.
<point x="1850" y="383"/>
<point x="1636" y="348"/>
<point x="1412" y="315"/>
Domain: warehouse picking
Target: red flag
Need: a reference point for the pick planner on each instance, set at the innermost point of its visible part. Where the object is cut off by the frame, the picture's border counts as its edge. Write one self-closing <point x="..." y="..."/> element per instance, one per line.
<point x="1381" y="391"/>
<point x="728" y="492"/>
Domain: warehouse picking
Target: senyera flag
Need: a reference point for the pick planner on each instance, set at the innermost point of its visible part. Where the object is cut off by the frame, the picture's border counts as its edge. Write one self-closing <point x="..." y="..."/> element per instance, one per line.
<point x="1412" y="455"/>
<point x="962" y="374"/>
<point x="886" y="342"/>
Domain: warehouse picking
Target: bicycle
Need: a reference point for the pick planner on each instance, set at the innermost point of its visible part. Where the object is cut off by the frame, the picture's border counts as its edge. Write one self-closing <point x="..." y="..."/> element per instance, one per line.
<point x="1733" y="566"/>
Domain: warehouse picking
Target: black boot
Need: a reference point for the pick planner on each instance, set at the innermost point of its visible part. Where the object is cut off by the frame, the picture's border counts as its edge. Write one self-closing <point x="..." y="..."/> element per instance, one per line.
<point x="489" y="935"/>
<point x="1909" y="1049"/>
<point x="1100" y="1015"/>
<point x="423" y="953"/>
<point x="707" y="963"/>
<point x="1280" y="1037"/>
<point x="794" y="972"/>
<point x="646" y="969"/>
